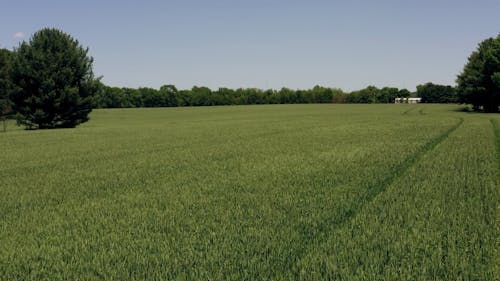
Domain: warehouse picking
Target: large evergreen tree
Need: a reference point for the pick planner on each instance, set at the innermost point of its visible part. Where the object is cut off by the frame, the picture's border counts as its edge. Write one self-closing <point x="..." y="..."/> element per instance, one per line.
<point x="479" y="82"/>
<point x="5" y="84"/>
<point x="53" y="81"/>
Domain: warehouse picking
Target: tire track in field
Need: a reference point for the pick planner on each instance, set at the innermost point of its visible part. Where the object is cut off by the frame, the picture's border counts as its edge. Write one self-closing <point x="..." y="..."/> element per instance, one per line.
<point x="373" y="191"/>
<point x="399" y="171"/>
<point x="408" y="111"/>
<point x="409" y="162"/>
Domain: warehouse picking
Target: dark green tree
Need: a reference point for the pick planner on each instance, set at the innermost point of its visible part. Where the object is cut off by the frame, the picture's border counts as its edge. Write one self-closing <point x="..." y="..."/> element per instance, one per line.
<point x="388" y="95"/>
<point x="5" y="82"/>
<point x="433" y="93"/>
<point x="321" y="94"/>
<point x="132" y="97"/>
<point x="286" y="95"/>
<point x="169" y="93"/>
<point x="201" y="96"/>
<point x="366" y="95"/>
<point x="404" y="93"/>
<point x="152" y="97"/>
<point x="226" y="96"/>
<point x="479" y="82"/>
<point x="53" y="81"/>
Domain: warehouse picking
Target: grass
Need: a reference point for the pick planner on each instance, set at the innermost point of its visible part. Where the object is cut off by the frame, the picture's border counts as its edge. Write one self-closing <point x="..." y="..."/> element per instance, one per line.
<point x="276" y="192"/>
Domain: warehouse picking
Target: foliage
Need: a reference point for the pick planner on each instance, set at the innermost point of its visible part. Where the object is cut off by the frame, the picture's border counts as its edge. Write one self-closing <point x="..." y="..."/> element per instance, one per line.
<point x="282" y="192"/>
<point x="53" y="81"/>
<point x="169" y="96"/>
<point x="5" y="82"/>
<point x="388" y="95"/>
<point x="479" y="82"/>
<point x="433" y="93"/>
<point x="366" y="95"/>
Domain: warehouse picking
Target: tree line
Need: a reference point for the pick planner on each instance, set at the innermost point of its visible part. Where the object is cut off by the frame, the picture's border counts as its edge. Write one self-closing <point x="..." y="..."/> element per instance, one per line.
<point x="170" y="96"/>
<point x="48" y="82"/>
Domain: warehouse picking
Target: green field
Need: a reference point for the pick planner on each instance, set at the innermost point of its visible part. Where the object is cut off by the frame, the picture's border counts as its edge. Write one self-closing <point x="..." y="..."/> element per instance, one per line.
<point x="273" y="192"/>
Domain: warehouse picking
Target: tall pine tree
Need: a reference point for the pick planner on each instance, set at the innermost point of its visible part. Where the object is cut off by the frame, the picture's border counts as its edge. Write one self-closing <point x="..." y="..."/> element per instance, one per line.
<point x="53" y="81"/>
<point x="5" y="84"/>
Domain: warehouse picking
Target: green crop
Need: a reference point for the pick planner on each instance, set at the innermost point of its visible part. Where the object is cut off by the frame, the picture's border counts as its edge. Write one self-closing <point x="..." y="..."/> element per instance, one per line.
<point x="272" y="192"/>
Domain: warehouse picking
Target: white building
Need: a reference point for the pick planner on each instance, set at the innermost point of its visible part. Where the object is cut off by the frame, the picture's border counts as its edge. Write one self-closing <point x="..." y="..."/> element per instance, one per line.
<point x="407" y="100"/>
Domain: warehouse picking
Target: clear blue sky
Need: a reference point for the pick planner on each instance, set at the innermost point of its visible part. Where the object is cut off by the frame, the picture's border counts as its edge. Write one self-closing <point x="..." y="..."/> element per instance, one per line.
<point x="264" y="43"/>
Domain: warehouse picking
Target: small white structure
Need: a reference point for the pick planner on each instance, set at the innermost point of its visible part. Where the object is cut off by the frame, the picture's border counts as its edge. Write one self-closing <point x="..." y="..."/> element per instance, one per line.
<point x="407" y="100"/>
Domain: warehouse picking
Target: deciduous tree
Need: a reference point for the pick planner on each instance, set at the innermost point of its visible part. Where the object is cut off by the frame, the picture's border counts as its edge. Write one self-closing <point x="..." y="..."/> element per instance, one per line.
<point x="433" y="93"/>
<point x="479" y="82"/>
